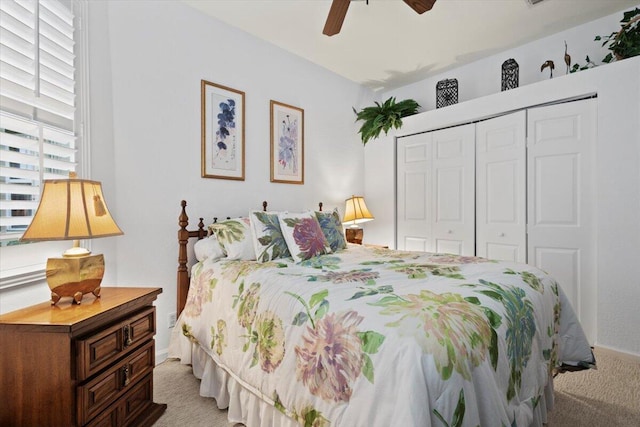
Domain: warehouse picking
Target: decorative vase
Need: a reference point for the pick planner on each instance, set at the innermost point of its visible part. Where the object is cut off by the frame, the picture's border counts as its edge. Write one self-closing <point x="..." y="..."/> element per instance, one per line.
<point x="446" y="92"/>
<point x="510" y="70"/>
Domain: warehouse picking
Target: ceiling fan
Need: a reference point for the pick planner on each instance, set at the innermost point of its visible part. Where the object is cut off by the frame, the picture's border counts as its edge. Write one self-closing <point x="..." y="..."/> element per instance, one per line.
<point x="339" y="10"/>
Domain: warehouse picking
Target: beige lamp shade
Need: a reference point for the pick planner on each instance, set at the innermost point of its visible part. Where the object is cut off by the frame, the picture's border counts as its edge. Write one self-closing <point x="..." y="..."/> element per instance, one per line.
<point x="356" y="211"/>
<point x="71" y="209"/>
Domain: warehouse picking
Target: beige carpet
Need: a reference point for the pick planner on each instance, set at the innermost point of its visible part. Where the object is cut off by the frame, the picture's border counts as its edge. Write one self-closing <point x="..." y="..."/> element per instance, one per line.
<point x="606" y="397"/>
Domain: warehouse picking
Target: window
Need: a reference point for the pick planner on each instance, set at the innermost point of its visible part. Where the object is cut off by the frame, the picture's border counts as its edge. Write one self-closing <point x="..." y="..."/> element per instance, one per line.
<point x="37" y="108"/>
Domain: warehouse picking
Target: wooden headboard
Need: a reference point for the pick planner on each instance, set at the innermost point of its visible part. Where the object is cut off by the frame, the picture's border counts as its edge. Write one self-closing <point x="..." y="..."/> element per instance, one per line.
<point x="183" y="239"/>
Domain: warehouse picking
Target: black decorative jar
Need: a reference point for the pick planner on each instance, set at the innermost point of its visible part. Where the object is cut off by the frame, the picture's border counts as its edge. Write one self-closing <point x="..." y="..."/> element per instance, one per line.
<point x="446" y="92"/>
<point x="510" y="70"/>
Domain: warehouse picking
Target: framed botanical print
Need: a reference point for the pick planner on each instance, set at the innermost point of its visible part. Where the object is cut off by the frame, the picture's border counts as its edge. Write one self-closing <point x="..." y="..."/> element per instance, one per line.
<point x="287" y="143"/>
<point x="222" y="132"/>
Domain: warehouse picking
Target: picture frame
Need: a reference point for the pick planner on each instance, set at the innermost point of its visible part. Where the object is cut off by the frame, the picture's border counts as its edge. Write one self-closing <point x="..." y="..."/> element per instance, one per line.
<point x="287" y="143"/>
<point x="223" y="135"/>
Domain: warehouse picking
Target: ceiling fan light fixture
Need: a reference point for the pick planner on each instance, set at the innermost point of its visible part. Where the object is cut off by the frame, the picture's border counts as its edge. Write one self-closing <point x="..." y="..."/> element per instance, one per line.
<point x="420" y="6"/>
<point x="339" y="8"/>
<point x="337" y="12"/>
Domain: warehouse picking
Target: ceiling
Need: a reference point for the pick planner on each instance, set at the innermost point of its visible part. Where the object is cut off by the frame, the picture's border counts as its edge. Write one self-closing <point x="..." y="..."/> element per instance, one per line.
<point x="385" y="44"/>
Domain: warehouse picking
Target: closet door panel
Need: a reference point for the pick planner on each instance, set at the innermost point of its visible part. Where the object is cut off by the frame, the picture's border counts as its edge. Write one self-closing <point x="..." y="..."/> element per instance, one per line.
<point x="413" y="192"/>
<point x="501" y="188"/>
<point x="503" y="252"/>
<point x="449" y="246"/>
<point x="565" y="264"/>
<point x="453" y="201"/>
<point x="557" y="189"/>
<point x="561" y="190"/>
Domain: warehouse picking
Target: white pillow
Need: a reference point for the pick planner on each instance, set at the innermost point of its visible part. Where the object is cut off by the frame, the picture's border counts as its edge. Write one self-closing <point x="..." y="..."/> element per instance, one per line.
<point x="236" y="238"/>
<point x="209" y="247"/>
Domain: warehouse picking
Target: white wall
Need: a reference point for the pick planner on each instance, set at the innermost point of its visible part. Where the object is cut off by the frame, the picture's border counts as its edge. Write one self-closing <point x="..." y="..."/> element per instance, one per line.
<point x="147" y="59"/>
<point x="617" y="86"/>
<point x="483" y="77"/>
<point x="151" y="56"/>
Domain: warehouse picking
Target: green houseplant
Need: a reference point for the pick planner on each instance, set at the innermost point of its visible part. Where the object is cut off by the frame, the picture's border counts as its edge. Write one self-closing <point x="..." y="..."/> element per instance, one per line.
<point x="623" y="43"/>
<point x="383" y="117"/>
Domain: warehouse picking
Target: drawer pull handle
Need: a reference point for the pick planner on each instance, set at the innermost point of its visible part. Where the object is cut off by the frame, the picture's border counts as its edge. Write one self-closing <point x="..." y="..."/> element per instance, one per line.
<point x="125" y="374"/>
<point x="126" y="330"/>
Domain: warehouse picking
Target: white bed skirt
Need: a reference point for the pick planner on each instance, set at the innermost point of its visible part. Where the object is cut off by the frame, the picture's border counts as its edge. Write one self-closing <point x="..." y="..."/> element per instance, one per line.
<point x="245" y="405"/>
<point x="250" y="407"/>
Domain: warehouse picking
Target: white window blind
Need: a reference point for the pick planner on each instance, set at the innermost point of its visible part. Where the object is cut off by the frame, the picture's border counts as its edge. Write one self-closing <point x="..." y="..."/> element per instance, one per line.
<point x="37" y="106"/>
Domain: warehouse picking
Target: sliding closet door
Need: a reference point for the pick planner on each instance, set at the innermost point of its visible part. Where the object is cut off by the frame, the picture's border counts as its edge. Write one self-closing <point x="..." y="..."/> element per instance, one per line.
<point x="413" y="192"/>
<point x="501" y="188"/>
<point x="561" y="196"/>
<point x="453" y="199"/>
<point x="435" y="174"/>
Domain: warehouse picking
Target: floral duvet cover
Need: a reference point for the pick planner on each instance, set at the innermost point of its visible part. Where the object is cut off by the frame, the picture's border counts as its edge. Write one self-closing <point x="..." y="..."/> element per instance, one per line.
<point x="375" y="337"/>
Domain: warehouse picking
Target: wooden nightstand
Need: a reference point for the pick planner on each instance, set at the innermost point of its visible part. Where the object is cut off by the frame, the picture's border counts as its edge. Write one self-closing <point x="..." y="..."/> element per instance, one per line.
<point x="76" y="365"/>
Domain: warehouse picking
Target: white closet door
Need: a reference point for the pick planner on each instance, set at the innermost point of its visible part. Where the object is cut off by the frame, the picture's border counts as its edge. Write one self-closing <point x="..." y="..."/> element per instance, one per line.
<point x="501" y="188"/>
<point x="413" y="176"/>
<point x="560" y="203"/>
<point x="453" y="198"/>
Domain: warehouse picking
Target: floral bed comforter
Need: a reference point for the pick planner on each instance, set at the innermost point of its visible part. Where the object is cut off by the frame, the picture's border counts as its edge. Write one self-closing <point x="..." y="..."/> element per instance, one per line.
<point x="375" y="337"/>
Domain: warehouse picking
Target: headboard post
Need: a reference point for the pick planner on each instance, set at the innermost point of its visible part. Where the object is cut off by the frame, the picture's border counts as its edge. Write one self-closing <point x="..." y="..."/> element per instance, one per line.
<point x="183" y="273"/>
<point x="183" y="238"/>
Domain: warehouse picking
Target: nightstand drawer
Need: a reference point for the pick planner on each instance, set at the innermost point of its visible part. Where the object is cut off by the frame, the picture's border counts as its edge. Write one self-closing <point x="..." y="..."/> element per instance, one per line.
<point x="100" y="392"/>
<point x="101" y="349"/>
<point x="125" y="411"/>
<point x="136" y="401"/>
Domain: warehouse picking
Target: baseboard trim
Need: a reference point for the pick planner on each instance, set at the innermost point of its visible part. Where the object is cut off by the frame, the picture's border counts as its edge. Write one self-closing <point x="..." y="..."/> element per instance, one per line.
<point x="618" y="353"/>
<point x="161" y="355"/>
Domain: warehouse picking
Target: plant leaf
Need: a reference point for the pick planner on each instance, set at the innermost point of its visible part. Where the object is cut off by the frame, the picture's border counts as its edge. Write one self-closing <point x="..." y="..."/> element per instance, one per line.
<point x="367" y="368"/>
<point x="371" y="341"/>
<point x="300" y="319"/>
<point x="318" y="297"/>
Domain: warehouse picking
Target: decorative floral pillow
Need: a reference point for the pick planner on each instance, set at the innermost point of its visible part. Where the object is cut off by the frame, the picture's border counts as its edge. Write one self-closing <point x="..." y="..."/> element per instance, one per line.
<point x="303" y="235"/>
<point x="234" y="235"/>
<point x="332" y="229"/>
<point x="209" y="247"/>
<point x="268" y="241"/>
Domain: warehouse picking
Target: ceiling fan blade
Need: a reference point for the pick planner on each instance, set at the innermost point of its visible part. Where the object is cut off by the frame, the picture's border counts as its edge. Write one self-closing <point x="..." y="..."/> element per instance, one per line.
<point x="420" y="6"/>
<point x="336" y="17"/>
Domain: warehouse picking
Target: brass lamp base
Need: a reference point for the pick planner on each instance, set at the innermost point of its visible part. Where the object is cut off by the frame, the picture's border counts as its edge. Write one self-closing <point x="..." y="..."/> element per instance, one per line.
<point x="74" y="276"/>
<point x="354" y="235"/>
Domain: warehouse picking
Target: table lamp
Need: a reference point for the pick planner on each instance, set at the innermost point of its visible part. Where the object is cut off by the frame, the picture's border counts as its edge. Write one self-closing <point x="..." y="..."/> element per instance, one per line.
<point x="72" y="209"/>
<point x="355" y="213"/>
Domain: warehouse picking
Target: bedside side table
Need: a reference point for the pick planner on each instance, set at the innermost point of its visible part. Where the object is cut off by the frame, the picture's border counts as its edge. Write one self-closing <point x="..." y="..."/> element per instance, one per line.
<point x="75" y="365"/>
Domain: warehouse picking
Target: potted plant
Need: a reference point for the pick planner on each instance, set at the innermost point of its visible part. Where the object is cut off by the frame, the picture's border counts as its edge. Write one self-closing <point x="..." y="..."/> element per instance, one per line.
<point x="383" y="117"/>
<point x="623" y="43"/>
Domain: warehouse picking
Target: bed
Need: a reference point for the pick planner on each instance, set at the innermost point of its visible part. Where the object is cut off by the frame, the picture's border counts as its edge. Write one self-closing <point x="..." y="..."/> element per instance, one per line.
<point x="364" y="336"/>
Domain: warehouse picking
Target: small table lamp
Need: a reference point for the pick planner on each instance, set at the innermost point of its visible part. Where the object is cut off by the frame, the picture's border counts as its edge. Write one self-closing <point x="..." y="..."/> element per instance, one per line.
<point x="72" y="209"/>
<point x="355" y="213"/>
